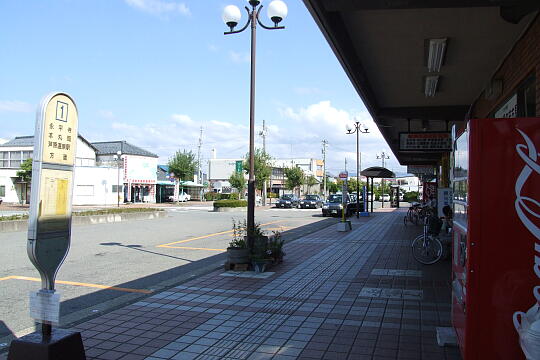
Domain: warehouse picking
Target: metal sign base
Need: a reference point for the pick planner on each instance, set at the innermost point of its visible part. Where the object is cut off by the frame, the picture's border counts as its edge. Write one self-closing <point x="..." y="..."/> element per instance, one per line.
<point x="60" y="345"/>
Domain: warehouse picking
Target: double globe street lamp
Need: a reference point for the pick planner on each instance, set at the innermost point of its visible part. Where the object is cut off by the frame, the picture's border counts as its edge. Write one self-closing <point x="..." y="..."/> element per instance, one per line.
<point x="357" y="129"/>
<point x="277" y="11"/>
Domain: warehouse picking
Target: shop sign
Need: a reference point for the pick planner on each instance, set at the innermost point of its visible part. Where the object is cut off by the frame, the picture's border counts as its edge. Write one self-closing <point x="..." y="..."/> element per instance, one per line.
<point x="239" y="166"/>
<point x="420" y="170"/>
<point x="343" y="175"/>
<point x="509" y="109"/>
<point x="425" y="141"/>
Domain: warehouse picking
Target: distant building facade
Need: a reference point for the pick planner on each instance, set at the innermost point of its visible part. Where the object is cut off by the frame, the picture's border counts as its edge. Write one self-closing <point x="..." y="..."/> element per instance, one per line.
<point x="99" y="179"/>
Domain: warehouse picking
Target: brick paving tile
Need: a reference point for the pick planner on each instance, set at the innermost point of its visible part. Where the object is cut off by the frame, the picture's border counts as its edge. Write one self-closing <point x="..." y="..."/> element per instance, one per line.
<point x="310" y="308"/>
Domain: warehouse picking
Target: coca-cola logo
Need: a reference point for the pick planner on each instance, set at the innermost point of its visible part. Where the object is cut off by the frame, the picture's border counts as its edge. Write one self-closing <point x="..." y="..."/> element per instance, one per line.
<point x="526" y="206"/>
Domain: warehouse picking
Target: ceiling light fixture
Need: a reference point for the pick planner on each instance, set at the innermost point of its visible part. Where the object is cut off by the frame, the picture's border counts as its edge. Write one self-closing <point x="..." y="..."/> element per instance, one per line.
<point x="437" y="49"/>
<point x="431" y="85"/>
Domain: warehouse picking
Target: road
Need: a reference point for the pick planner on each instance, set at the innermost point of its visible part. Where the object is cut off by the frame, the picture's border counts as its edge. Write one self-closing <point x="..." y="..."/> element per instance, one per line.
<point x="135" y="257"/>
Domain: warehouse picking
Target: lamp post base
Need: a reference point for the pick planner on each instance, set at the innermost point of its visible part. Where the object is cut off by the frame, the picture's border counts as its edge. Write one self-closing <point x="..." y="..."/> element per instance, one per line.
<point x="343" y="226"/>
<point x="60" y="345"/>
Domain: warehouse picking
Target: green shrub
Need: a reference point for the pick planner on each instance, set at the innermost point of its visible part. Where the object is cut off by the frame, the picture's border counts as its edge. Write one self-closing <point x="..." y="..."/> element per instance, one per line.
<point x="211" y="196"/>
<point x="224" y="197"/>
<point x="410" y="196"/>
<point x="115" y="211"/>
<point x="234" y="196"/>
<point x="230" y="203"/>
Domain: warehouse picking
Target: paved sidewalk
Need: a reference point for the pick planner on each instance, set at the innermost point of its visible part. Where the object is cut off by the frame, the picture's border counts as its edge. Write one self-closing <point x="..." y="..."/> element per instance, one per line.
<point x="356" y="295"/>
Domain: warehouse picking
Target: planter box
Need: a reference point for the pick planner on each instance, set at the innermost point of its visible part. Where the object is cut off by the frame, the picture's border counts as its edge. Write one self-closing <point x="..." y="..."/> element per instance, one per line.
<point x="238" y="256"/>
<point x="343" y="226"/>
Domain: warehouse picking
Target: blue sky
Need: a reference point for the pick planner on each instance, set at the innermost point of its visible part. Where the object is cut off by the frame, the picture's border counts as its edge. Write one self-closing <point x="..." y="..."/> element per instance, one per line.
<point x="152" y="72"/>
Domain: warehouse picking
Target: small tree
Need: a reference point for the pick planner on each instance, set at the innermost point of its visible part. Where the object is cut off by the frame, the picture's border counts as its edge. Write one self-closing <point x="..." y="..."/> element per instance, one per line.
<point x="238" y="182"/>
<point x="26" y="171"/>
<point x="183" y="165"/>
<point x="333" y="187"/>
<point x="295" y="178"/>
<point x="310" y="181"/>
<point x="263" y="168"/>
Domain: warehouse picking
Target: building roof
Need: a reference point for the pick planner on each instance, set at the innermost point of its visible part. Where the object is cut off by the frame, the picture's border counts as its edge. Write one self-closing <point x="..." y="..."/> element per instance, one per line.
<point x="19" y="141"/>
<point x="112" y="147"/>
<point x="377" y="172"/>
<point x="28" y="141"/>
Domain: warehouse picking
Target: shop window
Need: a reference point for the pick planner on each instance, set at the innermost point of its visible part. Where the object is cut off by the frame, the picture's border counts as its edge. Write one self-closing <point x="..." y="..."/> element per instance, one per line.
<point x="2" y="190"/>
<point x="522" y="103"/>
<point x="15" y="159"/>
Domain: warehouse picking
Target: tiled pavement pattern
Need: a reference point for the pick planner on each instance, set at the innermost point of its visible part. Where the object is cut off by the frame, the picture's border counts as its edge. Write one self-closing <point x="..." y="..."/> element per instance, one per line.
<point x="356" y="295"/>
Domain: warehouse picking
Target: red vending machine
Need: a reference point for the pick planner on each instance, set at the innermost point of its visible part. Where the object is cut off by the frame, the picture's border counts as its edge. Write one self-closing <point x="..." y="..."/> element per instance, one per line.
<point x="496" y="234"/>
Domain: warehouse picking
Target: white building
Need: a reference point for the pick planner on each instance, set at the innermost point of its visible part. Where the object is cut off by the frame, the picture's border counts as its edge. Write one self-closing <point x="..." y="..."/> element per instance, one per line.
<point x="96" y="173"/>
<point x="219" y="171"/>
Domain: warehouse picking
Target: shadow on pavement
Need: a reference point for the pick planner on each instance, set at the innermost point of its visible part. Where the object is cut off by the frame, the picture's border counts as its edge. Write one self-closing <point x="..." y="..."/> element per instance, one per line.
<point x="159" y="281"/>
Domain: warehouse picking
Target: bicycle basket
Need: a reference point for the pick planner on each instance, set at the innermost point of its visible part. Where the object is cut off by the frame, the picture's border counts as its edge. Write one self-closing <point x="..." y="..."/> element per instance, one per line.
<point x="434" y="225"/>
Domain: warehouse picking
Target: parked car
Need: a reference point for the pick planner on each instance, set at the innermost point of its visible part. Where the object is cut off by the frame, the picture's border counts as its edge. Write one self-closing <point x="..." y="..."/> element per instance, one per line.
<point x="385" y="197"/>
<point x="287" y="201"/>
<point x="311" y="202"/>
<point x="182" y="197"/>
<point x="334" y="205"/>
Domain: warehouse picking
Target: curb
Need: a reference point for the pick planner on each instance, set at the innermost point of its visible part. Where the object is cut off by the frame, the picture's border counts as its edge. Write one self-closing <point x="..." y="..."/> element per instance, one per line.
<point x="22" y="225"/>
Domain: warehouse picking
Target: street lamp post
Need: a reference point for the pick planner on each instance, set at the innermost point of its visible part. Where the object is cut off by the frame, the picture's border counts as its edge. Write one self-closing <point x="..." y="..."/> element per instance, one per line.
<point x="357" y="129"/>
<point x="277" y="11"/>
<point x="118" y="158"/>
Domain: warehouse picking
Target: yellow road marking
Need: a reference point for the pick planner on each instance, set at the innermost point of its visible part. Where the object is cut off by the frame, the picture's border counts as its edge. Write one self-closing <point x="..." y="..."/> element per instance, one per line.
<point x="211" y="235"/>
<point x="97" y="286"/>
<point x="194" y="248"/>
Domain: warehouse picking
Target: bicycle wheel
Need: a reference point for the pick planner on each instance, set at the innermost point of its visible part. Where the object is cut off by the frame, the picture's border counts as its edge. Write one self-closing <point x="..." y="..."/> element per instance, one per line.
<point x="427" y="252"/>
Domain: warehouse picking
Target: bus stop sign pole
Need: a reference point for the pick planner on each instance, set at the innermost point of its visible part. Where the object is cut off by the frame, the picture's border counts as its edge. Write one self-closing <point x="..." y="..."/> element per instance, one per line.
<point x="49" y="227"/>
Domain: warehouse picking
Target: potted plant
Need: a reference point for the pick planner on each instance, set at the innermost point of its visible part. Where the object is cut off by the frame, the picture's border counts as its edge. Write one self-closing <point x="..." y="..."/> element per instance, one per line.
<point x="237" y="251"/>
<point x="261" y="253"/>
<point x="275" y="248"/>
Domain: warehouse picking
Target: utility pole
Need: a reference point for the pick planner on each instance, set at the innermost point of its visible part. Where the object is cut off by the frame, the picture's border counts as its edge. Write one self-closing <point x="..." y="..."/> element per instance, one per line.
<point x="383" y="156"/>
<point x="324" y="145"/>
<point x="262" y="133"/>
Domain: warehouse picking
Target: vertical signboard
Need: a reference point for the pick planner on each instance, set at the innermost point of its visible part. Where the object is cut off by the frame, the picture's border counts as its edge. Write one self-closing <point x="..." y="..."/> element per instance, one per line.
<point x="49" y="227"/>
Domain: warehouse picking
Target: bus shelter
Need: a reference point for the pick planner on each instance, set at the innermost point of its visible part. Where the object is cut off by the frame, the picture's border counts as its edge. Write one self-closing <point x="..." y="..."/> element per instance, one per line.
<point x="372" y="173"/>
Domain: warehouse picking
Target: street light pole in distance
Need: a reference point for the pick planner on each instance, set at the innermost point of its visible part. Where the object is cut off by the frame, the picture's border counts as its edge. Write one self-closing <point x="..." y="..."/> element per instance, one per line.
<point x="118" y="158"/>
<point x="357" y="129"/>
<point x="277" y="11"/>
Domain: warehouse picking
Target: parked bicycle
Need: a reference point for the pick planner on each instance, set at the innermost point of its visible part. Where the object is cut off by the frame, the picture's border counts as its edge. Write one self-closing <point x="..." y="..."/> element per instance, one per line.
<point x="427" y="248"/>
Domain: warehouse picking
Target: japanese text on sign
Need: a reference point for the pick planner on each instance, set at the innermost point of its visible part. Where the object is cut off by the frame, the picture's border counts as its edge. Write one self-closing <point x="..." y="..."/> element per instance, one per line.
<point x="60" y="132"/>
<point x="425" y="141"/>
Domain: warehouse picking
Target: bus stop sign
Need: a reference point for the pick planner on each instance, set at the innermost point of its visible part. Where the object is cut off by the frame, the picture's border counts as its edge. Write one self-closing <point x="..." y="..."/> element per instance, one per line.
<point x="49" y="226"/>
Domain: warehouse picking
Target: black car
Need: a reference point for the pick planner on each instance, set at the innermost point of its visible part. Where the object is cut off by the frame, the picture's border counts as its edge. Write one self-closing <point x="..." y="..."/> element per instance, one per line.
<point x="334" y="205"/>
<point x="287" y="201"/>
<point x="311" y="202"/>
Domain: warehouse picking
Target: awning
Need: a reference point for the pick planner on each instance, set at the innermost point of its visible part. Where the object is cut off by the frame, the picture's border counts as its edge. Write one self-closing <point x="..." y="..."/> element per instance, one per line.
<point x="377" y="172"/>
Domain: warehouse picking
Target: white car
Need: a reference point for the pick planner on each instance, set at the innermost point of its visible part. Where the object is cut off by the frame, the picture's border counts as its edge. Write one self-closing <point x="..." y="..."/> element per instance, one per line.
<point x="182" y="197"/>
<point x="385" y="197"/>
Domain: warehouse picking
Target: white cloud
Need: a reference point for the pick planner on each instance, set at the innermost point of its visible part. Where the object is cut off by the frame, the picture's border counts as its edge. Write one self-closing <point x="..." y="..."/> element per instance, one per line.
<point x="159" y="7"/>
<point x="238" y="58"/>
<point x="298" y="133"/>
<point x="311" y="124"/>
<point x="15" y="106"/>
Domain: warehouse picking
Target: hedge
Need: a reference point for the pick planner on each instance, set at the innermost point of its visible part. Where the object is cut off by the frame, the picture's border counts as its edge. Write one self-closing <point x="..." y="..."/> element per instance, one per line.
<point x="230" y="203"/>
